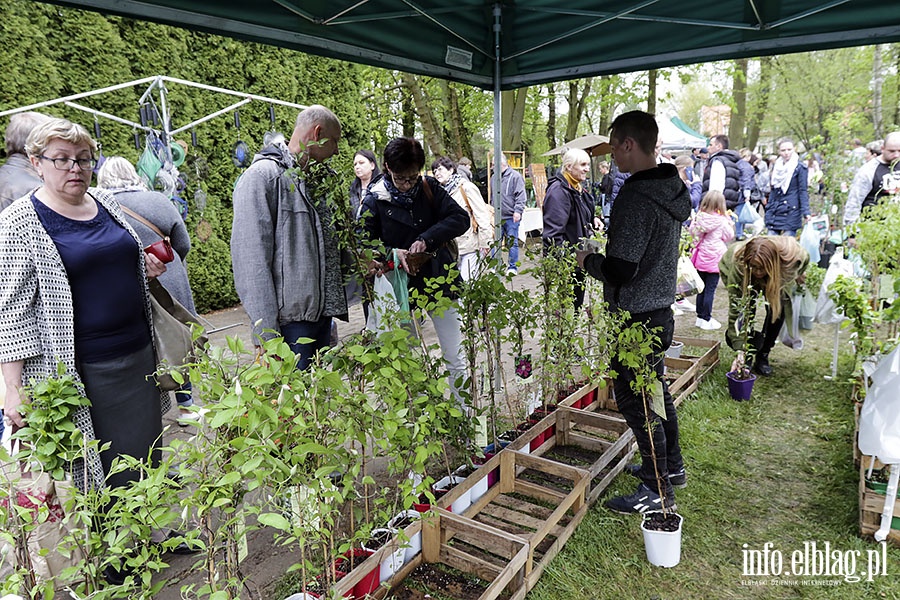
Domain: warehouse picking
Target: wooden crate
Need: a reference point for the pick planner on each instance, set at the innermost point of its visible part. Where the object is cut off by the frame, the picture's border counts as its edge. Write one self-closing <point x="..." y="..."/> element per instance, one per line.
<point x="599" y="442"/>
<point x="684" y="374"/>
<point x="871" y="504"/>
<point x="489" y="554"/>
<point x="539" y="500"/>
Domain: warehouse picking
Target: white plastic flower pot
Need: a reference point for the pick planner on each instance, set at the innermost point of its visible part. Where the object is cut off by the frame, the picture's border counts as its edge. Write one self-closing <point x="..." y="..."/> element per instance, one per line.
<point x="392" y="562"/>
<point x="414" y="545"/>
<point x="460" y="504"/>
<point x="663" y="547"/>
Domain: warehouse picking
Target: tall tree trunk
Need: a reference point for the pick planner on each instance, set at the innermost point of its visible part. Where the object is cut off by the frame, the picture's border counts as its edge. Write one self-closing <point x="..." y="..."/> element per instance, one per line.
<point x="512" y="114"/>
<point x="739" y="95"/>
<point x="408" y="114"/>
<point x="606" y="105"/>
<point x="652" y="76"/>
<point x="454" y="121"/>
<point x="430" y="127"/>
<point x="877" y="87"/>
<point x="761" y="105"/>
<point x="551" y="115"/>
<point x="897" y="99"/>
<point x="577" y="103"/>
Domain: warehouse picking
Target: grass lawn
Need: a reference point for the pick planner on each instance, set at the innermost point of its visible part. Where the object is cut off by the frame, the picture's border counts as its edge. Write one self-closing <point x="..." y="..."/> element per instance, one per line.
<point x="776" y="469"/>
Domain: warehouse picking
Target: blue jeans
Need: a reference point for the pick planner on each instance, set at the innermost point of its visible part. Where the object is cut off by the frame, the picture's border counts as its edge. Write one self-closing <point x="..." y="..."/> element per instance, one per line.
<point x="319" y="332"/>
<point x="511" y="230"/>
<point x="706" y="297"/>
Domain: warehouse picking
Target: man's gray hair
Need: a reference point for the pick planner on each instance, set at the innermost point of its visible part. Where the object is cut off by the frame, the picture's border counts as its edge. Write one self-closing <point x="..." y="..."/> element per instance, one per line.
<point x="318" y="115"/>
<point x="20" y="126"/>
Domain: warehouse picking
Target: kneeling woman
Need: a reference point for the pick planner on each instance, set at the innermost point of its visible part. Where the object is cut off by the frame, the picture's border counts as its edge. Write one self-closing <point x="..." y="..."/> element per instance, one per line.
<point x="768" y="265"/>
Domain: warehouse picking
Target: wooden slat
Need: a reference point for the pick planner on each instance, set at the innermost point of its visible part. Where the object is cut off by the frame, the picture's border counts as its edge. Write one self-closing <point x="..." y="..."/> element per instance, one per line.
<point x="541" y="493"/>
<point x="553" y="550"/>
<point x="467" y="563"/>
<point x="513" y="576"/>
<point x="528" y="522"/>
<point x="550" y="467"/>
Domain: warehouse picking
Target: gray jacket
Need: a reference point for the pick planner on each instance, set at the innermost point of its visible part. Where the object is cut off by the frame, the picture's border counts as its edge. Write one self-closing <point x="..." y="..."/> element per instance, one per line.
<point x="512" y="187"/>
<point x="278" y="245"/>
<point x="17" y="178"/>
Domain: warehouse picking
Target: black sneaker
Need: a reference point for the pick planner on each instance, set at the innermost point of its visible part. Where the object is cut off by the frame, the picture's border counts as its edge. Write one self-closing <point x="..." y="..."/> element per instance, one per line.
<point x="677" y="479"/>
<point x="642" y="500"/>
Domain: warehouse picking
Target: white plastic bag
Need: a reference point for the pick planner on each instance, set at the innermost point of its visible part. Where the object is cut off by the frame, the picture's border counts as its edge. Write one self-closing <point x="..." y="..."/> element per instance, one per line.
<point x="384" y="303"/>
<point x="809" y="241"/>
<point x="689" y="282"/>
<point x="826" y="310"/>
<point x="879" y="419"/>
<point x="790" y="331"/>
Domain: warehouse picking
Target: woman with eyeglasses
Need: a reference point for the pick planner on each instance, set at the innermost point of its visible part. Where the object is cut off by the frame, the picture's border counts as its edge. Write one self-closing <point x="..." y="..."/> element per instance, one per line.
<point x="74" y="290"/>
<point x="415" y="216"/>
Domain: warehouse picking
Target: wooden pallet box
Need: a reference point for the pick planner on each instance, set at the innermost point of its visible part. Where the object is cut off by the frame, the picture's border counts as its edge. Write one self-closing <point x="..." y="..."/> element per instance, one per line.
<point x="871" y="505"/>
<point x="468" y="550"/>
<point x="599" y="442"/>
<point x="539" y="500"/>
<point x="684" y="374"/>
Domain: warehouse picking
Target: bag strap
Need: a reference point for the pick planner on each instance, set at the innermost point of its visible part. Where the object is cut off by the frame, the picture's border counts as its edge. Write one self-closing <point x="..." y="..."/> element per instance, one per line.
<point x="138" y="217"/>
<point x="462" y="188"/>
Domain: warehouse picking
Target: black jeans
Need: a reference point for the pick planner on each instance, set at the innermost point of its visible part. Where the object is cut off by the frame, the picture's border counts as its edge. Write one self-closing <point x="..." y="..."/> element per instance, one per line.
<point x="631" y="405"/>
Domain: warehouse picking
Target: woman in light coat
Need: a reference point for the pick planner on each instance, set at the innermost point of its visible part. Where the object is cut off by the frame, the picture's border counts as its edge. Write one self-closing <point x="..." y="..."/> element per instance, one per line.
<point x="476" y="241"/>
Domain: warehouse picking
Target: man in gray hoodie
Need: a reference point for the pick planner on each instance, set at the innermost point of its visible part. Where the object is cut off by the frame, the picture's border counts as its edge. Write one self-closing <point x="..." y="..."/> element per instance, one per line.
<point x="512" y="191"/>
<point x="639" y="273"/>
<point x="284" y="251"/>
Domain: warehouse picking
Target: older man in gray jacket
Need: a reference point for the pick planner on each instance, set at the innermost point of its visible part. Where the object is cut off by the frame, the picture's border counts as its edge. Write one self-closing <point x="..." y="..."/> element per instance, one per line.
<point x="284" y="250"/>
<point x="17" y="176"/>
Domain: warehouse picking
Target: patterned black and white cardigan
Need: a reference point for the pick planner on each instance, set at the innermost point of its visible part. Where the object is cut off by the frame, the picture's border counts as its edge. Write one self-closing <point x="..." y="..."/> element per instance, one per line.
<point x="36" y="313"/>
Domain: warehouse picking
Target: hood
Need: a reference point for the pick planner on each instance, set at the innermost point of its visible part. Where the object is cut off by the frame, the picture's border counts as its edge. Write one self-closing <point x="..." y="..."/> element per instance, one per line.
<point x="709" y="221"/>
<point x="277" y="151"/>
<point x="379" y="190"/>
<point x="664" y="187"/>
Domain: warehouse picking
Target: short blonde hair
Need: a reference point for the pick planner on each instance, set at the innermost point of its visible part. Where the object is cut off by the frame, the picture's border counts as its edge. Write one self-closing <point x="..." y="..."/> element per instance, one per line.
<point x="116" y="172"/>
<point x="58" y="129"/>
<point x="572" y="156"/>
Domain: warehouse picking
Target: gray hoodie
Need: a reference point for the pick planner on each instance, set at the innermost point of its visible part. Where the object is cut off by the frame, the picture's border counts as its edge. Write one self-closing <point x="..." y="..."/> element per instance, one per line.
<point x="278" y="247"/>
<point x="645" y="229"/>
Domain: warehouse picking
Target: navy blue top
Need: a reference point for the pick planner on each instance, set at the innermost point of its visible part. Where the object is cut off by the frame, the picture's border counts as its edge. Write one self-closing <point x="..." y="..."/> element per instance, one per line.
<point x="100" y="258"/>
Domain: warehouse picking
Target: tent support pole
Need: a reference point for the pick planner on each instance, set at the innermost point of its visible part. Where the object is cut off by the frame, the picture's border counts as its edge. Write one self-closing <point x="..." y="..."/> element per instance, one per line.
<point x="497" y="199"/>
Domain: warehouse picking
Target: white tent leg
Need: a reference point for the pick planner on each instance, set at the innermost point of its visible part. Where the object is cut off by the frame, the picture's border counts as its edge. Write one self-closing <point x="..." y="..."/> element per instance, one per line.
<point x="834" y="355"/>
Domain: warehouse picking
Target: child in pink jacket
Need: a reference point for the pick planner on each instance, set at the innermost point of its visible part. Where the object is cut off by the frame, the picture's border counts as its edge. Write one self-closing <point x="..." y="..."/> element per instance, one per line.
<point x="711" y="230"/>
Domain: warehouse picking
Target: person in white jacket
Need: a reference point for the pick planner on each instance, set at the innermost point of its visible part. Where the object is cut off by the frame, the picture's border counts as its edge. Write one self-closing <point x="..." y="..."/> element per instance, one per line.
<point x="476" y="241"/>
<point x="874" y="179"/>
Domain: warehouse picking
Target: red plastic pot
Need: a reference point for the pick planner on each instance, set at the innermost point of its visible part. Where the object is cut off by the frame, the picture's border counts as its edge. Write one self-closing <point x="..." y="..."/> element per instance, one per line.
<point x="342" y="566"/>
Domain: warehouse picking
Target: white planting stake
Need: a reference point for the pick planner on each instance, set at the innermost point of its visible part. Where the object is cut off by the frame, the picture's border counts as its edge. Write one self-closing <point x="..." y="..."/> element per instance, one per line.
<point x="890" y="496"/>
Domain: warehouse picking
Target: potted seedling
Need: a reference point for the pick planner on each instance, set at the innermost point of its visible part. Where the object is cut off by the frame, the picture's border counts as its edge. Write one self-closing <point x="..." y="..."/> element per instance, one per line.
<point x="740" y="377"/>
<point x="661" y="529"/>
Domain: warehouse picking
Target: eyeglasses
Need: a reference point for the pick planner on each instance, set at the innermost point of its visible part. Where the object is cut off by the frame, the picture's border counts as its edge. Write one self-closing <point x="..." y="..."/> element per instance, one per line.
<point x="406" y="180"/>
<point x="66" y="164"/>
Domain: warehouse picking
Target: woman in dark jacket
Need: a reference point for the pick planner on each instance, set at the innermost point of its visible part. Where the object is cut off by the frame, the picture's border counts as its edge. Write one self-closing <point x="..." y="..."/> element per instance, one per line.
<point x="569" y="211"/>
<point x="415" y="216"/>
<point x="788" y="205"/>
<point x="366" y="171"/>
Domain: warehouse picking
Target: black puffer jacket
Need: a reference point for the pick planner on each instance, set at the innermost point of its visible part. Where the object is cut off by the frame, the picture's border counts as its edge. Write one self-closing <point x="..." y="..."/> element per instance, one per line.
<point x="435" y="221"/>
